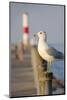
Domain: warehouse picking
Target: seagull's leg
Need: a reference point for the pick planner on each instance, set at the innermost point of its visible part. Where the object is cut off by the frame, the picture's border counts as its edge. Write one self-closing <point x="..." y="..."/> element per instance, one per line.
<point x="49" y="66"/>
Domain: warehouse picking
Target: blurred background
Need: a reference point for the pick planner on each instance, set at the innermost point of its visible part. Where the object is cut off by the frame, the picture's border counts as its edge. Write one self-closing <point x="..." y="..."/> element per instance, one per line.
<point x="49" y="18"/>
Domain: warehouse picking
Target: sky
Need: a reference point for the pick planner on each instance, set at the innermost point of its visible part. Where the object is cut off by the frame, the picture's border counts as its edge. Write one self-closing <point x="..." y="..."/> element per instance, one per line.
<point x="48" y="18"/>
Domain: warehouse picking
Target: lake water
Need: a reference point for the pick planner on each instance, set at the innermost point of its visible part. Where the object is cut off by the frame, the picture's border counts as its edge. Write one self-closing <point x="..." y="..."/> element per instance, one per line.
<point x="58" y="67"/>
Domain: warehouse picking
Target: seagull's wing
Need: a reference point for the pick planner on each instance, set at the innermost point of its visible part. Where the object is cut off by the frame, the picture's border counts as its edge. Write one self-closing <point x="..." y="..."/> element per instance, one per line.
<point x="53" y="52"/>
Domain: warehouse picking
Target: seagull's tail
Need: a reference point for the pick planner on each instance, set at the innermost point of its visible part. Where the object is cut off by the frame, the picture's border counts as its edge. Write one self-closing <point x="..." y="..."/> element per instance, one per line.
<point x="60" y="56"/>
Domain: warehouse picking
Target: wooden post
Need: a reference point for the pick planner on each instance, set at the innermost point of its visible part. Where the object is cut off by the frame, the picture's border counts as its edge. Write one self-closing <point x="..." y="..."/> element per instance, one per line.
<point x="43" y="79"/>
<point x="20" y="52"/>
<point x="48" y="83"/>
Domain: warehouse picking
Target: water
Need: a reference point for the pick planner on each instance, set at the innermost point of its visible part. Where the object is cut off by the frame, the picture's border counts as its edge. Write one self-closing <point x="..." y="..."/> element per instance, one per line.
<point x="58" y="67"/>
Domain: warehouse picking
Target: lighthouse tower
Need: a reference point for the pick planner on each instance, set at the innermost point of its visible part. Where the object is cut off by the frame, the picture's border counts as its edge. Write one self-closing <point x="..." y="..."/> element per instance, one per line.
<point x="25" y="26"/>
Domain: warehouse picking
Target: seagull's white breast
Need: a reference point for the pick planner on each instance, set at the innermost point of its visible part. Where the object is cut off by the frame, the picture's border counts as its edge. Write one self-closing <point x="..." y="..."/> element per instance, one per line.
<point x="42" y="47"/>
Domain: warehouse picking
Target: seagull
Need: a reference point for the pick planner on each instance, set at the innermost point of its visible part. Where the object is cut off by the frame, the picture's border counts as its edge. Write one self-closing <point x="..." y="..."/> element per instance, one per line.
<point x="48" y="53"/>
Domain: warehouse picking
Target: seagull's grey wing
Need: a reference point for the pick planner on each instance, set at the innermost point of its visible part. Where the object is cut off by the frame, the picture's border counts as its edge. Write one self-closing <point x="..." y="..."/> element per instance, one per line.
<point x="56" y="54"/>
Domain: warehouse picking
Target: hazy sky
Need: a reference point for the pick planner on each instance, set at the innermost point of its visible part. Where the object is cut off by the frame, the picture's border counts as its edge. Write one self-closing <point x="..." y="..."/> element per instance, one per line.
<point x="49" y="18"/>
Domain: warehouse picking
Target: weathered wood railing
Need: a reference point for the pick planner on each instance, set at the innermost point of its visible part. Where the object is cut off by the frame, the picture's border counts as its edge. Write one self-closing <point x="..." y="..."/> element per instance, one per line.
<point x="43" y="78"/>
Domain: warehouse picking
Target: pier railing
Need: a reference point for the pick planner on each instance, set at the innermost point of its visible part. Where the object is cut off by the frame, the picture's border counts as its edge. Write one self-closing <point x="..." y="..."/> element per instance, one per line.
<point x="43" y="78"/>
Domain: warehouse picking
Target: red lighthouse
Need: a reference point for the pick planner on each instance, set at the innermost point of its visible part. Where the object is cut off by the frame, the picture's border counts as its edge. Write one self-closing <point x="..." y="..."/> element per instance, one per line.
<point x="25" y="26"/>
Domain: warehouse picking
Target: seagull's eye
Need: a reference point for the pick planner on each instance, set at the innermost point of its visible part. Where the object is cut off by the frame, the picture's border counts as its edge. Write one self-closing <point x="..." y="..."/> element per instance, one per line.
<point x="40" y="32"/>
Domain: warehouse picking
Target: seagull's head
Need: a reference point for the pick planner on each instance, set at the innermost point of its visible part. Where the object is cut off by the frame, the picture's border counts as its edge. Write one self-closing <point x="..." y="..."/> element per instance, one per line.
<point x="41" y="35"/>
